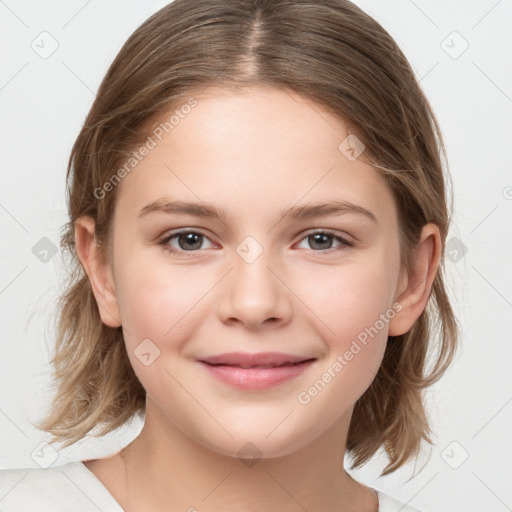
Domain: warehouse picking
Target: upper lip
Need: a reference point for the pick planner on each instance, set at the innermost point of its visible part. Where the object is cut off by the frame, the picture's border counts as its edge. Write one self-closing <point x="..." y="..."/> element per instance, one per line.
<point x="248" y="360"/>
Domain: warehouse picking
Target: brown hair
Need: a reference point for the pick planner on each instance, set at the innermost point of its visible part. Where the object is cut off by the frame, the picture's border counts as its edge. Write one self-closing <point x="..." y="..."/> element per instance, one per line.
<point x="328" y="51"/>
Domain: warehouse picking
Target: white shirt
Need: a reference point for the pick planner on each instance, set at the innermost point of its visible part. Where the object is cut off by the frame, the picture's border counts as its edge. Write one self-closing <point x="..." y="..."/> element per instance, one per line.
<point x="72" y="487"/>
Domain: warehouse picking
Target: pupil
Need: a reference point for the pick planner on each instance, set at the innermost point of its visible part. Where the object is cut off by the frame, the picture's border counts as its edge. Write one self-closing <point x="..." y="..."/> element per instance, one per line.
<point x="190" y="239"/>
<point x="319" y="239"/>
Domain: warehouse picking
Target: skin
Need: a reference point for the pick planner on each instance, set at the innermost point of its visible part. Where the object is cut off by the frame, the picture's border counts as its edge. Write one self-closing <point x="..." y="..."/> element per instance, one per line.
<point x="252" y="153"/>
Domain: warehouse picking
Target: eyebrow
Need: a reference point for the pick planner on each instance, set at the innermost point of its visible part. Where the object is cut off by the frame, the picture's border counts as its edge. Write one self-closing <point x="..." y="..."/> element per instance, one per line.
<point x="304" y="212"/>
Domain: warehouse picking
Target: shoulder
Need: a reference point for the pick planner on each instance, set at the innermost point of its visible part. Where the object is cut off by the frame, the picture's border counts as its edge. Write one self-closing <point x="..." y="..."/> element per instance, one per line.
<point x="55" y="489"/>
<point x="388" y="504"/>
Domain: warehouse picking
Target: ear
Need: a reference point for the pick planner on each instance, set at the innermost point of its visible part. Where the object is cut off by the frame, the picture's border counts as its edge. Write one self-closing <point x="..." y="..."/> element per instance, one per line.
<point x="98" y="271"/>
<point x="414" y="289"/>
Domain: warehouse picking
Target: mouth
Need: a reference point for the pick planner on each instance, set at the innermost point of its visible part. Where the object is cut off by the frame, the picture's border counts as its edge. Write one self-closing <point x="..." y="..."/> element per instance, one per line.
<point x="259" y="366"/>
<point x="255" y="371"/>
<point x="256" y="360"/>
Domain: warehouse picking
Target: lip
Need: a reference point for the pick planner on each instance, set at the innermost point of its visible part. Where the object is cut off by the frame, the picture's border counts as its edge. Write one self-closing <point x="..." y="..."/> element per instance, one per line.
<point x="247" y="359"/>
<point x="255" y="371"/>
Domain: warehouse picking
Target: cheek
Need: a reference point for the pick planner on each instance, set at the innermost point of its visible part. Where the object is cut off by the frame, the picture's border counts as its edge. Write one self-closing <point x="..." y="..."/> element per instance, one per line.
<point x="159" y="303"/>
<point x="165" y="303"/>
<point x="352" y="308"/>
<point x="160" y="309"/>
<point x="349" y="299"/>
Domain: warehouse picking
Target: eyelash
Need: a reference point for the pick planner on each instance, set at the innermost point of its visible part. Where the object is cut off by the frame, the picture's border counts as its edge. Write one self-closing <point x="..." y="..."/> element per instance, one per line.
<point x="343" y="241"/>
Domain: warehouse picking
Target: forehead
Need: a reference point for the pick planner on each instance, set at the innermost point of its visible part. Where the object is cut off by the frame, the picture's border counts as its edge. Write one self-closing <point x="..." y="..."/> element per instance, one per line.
<point x="258" y="148"/>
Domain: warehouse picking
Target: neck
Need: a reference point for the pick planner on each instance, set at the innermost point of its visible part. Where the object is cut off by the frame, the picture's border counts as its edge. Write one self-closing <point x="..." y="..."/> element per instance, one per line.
<point x="167" y="470"/>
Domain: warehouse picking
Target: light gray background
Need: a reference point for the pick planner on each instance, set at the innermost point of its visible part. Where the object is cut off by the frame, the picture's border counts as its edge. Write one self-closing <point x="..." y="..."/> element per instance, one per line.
<point x="43" y="102"/>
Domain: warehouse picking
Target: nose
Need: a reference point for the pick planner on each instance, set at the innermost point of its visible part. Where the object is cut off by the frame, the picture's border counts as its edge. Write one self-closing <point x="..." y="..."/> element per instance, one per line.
<point x="254" y="294"/>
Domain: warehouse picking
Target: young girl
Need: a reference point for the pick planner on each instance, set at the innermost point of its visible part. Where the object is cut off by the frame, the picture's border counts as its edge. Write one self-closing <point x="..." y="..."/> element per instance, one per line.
<point x="257" y="223"/>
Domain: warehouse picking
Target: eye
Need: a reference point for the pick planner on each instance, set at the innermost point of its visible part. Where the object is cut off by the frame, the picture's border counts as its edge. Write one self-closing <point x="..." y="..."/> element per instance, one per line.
<point x="322" y="241"/>
<point x="191" y="241"/>
<point x="183" y="241"/>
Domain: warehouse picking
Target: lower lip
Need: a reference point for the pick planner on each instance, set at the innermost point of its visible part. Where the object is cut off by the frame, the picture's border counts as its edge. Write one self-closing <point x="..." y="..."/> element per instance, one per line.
<point x="256" y="378"/>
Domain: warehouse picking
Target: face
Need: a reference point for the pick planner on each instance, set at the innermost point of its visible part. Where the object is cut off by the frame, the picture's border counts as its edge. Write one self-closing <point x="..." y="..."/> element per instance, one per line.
<point x="318" y="284"/>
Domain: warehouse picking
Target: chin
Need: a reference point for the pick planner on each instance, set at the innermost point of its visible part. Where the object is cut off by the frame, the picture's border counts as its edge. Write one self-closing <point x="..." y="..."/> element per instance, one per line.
<point x="256" y="442"/>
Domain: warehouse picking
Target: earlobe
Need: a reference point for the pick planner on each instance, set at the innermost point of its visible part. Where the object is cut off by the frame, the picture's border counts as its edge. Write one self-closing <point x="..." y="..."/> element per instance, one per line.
<point x="98" y="271"/>
<point x="414" y="293"/>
